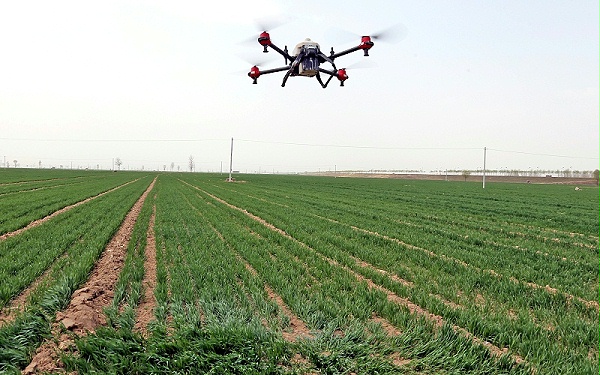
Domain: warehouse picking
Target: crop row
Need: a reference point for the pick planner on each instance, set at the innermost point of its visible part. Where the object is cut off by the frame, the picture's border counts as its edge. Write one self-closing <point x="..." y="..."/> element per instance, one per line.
<point x="64" y="251"/>
<point x="535" y="322"/>
<point x="25" y="177"/>
<point x="285" y="274"/>
<point x="231" y="292"/>
<point x="480" y="241"/>
<point x="21" y="207"/>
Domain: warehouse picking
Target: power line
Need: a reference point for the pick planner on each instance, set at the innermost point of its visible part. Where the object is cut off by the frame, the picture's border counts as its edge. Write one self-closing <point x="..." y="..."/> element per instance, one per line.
<point x="358" y="147"/>
<point x="536" y="154"/>
<point x="111" y="140"/>
<point x="293" y="144"/>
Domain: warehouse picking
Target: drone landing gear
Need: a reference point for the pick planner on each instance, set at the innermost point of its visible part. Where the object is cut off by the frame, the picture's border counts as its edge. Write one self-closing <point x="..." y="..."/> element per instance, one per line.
<point x="323" y="85"/>
<point x="285" y="77"/>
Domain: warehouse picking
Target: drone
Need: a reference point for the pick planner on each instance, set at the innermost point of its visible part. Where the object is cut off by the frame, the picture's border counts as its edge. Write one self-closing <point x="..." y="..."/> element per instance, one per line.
<point x="307" y="60"/>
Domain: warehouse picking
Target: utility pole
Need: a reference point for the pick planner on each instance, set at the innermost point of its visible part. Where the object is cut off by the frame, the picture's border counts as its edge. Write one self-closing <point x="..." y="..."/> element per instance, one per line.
<point x="484" y="157"/>
<point x="230" y="161"/>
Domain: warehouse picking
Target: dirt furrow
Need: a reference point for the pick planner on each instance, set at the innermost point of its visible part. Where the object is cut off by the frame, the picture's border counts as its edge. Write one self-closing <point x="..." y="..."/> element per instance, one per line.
<point x="37" y="222"/>
<point x="145" y="310"/>
<point x="85" y="311"/>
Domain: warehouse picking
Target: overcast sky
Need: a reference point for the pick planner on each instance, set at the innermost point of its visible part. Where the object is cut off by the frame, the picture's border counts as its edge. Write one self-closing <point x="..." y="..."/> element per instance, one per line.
<point x="153" y="82"/>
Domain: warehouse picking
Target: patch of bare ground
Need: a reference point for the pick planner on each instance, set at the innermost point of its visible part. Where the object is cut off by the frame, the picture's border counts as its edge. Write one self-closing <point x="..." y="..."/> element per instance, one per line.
<point x="85" y="311"/>
<point x="389" y="329"/>
<point x="398" y="360"/>
<point x="169" y="266"/>
<point x="437" y="320"/>
<point x="145" y="310"/>
<point x="297" y="328"/>
<point x="35" y="223"/>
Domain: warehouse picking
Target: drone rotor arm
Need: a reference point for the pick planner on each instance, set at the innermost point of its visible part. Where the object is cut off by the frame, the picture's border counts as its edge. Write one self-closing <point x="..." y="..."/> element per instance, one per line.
<point x="283" y="53"/>
<point x="274" y="70"/>
<point x="255" y="72"/>
<point x="365" y="44"/>
<point x="345" y="52"/>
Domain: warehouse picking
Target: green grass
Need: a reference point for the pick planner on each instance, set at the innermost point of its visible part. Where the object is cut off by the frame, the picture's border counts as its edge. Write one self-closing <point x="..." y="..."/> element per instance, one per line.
<point x="479" y="259"/>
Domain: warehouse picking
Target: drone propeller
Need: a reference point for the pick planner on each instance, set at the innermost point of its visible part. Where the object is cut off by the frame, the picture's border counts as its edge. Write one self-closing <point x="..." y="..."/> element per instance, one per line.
<point x="271" y="22"/>
<point x="392" y="34"/>
<point x="256" y="61"/>
<point x="265" y="24"/>
<point x="362" y="64"/>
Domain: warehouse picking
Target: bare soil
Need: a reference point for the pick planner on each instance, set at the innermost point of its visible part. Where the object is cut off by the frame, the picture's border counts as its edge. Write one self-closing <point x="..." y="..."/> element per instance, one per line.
<point x="145" y="311"/>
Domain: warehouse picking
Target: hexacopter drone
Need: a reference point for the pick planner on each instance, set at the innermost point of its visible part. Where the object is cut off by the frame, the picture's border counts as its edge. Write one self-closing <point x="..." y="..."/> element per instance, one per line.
<point x="306" y="60"/>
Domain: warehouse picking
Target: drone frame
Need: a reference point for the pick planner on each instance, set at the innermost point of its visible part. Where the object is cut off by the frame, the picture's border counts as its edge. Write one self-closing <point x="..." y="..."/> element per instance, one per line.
<point x="292" y="69"/>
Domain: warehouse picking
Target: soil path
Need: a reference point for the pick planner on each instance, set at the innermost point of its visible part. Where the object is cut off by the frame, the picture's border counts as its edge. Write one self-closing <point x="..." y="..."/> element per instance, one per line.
<point x="145" y="311"/>
<point x="84" y="312"/>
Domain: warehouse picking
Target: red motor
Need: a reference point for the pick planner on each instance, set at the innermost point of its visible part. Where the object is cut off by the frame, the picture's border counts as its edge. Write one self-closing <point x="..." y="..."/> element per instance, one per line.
<point x="264" y="39"/>
<point x="365" y="44"/>
<point x="254" y="73"/>
<point x="342" y="76"/>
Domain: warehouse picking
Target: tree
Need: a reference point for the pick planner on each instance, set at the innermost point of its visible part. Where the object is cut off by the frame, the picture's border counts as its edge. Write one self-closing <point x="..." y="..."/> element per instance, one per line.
<point x="118" y="162"/>
<point x="172" y="166"/>
<point x="15" y="161"/>
<point x="466" y="173"/>
<point x="596" y="172"/>
<point x="191" y="163"/>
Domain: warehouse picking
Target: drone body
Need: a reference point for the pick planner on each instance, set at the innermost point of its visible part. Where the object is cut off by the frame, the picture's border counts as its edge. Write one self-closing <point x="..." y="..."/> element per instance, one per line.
<point x="307" y="59"/>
